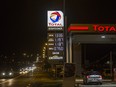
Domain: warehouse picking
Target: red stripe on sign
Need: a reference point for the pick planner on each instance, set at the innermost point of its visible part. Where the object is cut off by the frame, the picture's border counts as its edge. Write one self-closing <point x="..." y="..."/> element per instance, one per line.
<point x="78" y="28"/>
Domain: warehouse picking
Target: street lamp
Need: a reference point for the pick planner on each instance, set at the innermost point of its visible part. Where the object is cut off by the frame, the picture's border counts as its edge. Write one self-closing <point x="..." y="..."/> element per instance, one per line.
<point x="24" y="54"/>
<point x="46" y="44"/>
<point x="45" y="51"/>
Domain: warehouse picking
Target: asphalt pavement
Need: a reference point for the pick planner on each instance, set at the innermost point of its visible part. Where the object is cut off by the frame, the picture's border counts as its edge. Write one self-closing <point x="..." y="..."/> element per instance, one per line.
<point x="35" y="79"/>
<point x="43" y="79"/>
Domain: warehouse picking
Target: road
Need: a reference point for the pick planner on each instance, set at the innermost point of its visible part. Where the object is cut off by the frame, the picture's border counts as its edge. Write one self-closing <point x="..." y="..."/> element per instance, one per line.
<point x="42" y="79"/>
<point x="19" y="81"/>
<point x="105" y="83"/>
<point x="35" y="79"/>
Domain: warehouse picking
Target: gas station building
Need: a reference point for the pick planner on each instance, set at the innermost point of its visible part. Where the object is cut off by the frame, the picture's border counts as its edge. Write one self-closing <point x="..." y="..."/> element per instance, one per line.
<point x="79" y="34"/>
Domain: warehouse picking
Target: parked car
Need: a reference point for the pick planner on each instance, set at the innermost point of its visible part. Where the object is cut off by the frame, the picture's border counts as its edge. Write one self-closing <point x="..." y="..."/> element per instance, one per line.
<point x="92" y="77"/>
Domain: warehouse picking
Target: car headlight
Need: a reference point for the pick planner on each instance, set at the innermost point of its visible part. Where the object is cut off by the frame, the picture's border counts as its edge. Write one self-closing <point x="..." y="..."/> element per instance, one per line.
<point x="10" y="73"/>
<point x="3" y="74"/>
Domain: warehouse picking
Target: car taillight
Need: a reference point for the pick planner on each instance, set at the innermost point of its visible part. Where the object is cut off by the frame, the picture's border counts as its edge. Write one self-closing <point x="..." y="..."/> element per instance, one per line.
<point x="100" y="76"/>
<point x="88" y="76"/>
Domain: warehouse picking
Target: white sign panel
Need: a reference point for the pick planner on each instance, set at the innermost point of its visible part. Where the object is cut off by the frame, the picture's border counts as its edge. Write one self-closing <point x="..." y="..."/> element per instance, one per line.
<point x="55" y="19"/>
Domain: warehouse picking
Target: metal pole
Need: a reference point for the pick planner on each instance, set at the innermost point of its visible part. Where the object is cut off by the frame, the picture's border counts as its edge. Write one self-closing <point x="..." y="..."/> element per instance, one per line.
<point x="70" y="48"/>
<point x="64" y="7"/>
<point x="85" y="55"/>
<point x="111" y="68"/>
<point x="65" y="33"/>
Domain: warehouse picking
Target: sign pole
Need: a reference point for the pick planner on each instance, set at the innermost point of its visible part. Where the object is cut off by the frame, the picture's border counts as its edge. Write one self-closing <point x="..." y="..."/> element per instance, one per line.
<point x="111" y="65"/>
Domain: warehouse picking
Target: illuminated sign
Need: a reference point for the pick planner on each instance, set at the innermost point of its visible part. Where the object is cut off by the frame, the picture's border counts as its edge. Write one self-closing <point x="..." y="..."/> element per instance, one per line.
<point x="51" y="39"/>
<point x="55" y="52"/>
<point x="55" y="45"/>
<point x="55" y="19"/>
<point x="55" y="57"/>
<point x="104" y="28"/>
<point x="54" y="28"/>
<point x="58" y="48"/>
<point x="51" y="44"/>
<point x="55" y="37"/>
<point x="51" y="35"/>
<point x="58" y="34"/>
<point x="51" y="48"/>
<point x="59" y="44"/>
<point x="108" y="28"/>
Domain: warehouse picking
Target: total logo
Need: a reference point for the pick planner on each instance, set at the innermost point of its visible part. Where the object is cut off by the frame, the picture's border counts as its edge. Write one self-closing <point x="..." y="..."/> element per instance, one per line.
<point x="55" y="19"/>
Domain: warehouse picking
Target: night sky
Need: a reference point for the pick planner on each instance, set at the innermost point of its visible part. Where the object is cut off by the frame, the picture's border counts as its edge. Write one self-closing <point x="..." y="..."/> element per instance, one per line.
<point x="24" y="22"/>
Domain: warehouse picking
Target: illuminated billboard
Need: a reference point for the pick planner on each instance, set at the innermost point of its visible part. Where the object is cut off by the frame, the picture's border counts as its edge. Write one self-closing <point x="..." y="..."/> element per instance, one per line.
<point x="94" y="28"/>
<point x="55" y="46"/>
<point x="55" y="36"/>
<point x="55" y="19"/>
